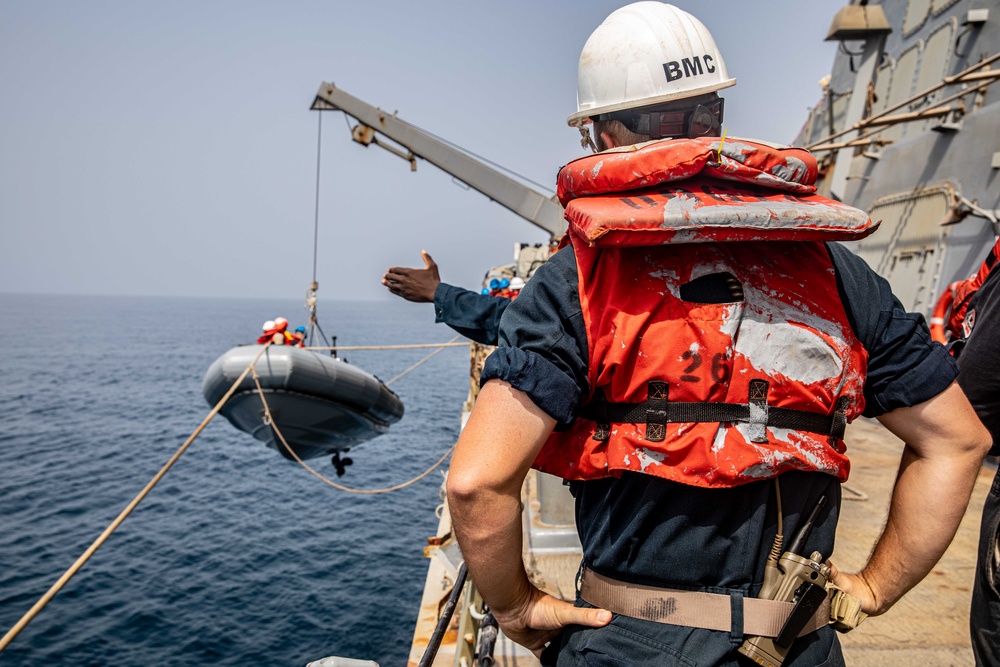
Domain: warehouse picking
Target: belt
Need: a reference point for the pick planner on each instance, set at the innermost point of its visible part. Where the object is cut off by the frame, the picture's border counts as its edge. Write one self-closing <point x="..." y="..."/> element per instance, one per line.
<point x="693" y="609"/>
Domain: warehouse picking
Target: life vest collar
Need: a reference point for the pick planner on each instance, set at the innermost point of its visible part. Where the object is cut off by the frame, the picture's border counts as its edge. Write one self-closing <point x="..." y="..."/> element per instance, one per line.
<point x="702" y="190"/>
<point x="669" y="160"/>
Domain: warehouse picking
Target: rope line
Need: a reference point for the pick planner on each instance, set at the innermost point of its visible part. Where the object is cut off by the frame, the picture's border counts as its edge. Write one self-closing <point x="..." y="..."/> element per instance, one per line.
<point x="427" y="358"/>
<point x="330" y="482"/>
<point x="56" y="587"/>
<point x="103" y="537"/>
<point x="415" y="346"/>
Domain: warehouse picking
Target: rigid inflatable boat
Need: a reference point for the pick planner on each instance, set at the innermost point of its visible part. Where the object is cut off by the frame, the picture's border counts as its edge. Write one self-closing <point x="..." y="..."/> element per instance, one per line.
<point x="321" y="404"/>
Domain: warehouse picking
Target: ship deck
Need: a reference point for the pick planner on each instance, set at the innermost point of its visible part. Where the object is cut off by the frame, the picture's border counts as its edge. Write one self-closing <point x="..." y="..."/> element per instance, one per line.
<point x="929" y="626"/>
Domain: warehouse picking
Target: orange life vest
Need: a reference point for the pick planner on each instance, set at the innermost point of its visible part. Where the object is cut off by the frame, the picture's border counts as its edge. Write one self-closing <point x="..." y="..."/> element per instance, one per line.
<point x="711" y="395"/>
<point x="948" y="321"/>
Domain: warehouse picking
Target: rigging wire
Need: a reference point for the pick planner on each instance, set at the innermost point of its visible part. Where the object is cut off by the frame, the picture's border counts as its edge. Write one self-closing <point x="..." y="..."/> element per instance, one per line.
<point x="314" y="286"/>
<point x="319" y="147"/>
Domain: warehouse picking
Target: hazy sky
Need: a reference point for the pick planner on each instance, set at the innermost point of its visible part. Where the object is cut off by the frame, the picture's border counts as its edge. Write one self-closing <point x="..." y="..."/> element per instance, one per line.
<point x="167" y="148"/>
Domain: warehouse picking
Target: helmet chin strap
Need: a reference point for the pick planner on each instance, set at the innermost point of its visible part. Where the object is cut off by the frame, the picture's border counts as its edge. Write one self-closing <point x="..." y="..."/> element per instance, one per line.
<point x="586" y="141"/>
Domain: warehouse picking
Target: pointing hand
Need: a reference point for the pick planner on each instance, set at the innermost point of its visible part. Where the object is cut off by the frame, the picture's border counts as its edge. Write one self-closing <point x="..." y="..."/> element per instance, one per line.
<point x="416" y="285"/>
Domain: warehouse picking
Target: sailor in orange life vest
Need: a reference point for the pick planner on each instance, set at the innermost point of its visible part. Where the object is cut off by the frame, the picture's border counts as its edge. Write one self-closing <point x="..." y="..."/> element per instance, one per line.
<point x="270" y="331"/>
<point x="700" y="339"/>
<point x="276" y="331"/>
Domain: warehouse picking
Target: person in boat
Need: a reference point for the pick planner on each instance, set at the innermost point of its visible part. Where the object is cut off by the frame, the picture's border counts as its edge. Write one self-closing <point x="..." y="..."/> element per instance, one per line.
<point x="474" y="315"/>
<point x="976" y="330"/>
<point x="299" y="336"/>
<point x="281" y="326"/>
<point x="282" y="336"/>
<point x="269" y="331"/>
<point x="688" y="363"/>
<point x="276" y="331"/>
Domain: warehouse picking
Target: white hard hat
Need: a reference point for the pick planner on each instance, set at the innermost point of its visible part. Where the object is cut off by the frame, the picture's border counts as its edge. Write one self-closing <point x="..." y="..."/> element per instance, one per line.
<point x="268" y="325"/>
<point x="643" y="54"/>
<point x="516" y="283"/>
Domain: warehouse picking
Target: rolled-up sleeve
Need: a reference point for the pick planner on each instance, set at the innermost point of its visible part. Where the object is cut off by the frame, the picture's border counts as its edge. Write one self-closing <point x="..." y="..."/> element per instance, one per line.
<point x="905" y="366"/>
<point x="542" y="341"/>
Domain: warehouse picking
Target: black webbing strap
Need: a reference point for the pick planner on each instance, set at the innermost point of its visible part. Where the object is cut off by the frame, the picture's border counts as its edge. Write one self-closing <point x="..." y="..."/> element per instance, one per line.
<point x="657" y="412"/>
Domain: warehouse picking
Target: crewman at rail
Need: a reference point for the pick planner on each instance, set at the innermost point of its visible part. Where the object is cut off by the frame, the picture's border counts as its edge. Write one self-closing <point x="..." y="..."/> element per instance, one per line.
<point x="701" y="344"/>
<point x="299" y="336"/>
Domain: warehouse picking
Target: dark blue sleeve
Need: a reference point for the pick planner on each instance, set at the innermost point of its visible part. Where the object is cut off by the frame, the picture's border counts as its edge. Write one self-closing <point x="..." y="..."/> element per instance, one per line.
<point x="980" y="358"/>
<point x="475" y="316"/>
<point x="543" y="343"/>
<point x="905" y="366"/>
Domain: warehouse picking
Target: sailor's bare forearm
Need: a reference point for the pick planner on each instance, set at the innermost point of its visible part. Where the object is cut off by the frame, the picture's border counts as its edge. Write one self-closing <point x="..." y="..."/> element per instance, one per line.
<point x="945" y="447"/>
<point x="928" y="502"/>
<point x="489" y="530"/>
<point x="493" y="456"/>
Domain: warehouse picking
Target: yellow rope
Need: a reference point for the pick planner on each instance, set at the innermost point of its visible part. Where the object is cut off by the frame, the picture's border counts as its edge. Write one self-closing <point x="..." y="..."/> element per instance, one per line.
<point x="82" y="560"/>
<point x="56" y="587"/>
<point x="330" y="482"/>
<point x="440" y="347"/>
<point x="450" y="343"/>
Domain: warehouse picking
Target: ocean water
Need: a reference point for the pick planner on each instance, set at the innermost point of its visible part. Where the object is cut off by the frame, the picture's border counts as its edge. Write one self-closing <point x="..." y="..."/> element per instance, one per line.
<point x="237" y="557"/>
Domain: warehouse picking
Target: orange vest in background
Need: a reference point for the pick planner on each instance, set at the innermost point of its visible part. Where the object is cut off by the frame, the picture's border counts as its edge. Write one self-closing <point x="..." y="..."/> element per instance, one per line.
<point x="948" y="319"/>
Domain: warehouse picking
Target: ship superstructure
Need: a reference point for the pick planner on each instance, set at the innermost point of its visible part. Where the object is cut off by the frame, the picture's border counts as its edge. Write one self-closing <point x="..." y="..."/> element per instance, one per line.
<point x="907" y="129"/>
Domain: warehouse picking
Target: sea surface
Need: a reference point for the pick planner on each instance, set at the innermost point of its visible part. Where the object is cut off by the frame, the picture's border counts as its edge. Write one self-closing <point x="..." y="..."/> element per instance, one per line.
<point x="237" y="557"/>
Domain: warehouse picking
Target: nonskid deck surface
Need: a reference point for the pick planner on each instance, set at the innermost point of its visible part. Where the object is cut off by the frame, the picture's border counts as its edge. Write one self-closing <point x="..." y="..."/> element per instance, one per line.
<point x="929" y="626"/>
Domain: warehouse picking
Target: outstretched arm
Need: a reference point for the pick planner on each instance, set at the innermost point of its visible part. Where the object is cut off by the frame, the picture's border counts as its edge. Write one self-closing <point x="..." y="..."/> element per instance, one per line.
<point x="414" y="284"/>
<point x="945" y="446"/>
<point x="501" y="439"/>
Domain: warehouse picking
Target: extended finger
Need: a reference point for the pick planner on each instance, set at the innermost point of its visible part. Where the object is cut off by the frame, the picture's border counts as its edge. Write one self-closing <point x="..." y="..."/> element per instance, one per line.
<point x="397" y="271"/>
<point x="550" y="613"/>
<point x="428" y="260"/>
